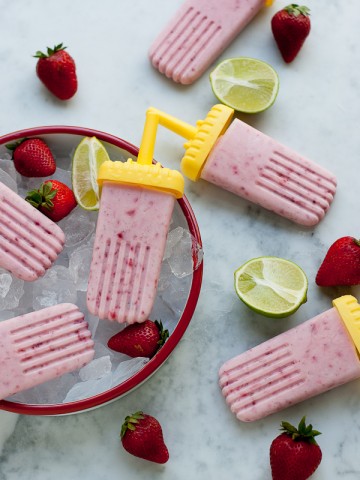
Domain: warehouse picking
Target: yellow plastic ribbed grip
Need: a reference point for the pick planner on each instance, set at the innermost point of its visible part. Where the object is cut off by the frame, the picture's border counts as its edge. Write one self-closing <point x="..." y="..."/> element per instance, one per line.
<point x="349" y="310"/>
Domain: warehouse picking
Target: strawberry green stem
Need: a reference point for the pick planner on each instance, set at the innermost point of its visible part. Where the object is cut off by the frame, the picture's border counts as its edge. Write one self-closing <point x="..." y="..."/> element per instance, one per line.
<point x="303" y="432"/>
<point x="296" y="10"/>
<point x="50" y="51"/>
<point x="43" y="197"/>
<point x="130" y="422"/>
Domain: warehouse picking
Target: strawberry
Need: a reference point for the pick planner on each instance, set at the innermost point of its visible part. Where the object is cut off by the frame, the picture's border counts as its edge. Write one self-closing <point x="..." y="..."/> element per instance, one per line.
<point x="295" y="455"/>
<point x="32" y="157"/>
<point x="142" y="436"/>
<point x="341" y="265"/>
<point x="53" y="198"/>
<point x="57" y="71"/>
<point x="139" y="339"/>
<point x="290" y="27"/>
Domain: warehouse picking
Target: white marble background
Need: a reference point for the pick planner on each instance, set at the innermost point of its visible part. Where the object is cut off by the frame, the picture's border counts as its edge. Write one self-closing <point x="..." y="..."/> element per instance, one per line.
<point x="316" y="113"/>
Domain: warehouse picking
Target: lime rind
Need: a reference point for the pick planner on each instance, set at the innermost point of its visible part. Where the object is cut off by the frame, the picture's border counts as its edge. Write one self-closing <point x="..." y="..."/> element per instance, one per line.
<point x="88" y="156"/>
<point x="271" y="286"/>
<point x="245" y="84"/>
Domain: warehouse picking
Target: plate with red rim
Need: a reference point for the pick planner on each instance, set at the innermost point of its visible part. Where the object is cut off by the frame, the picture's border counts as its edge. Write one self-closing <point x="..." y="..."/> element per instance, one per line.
<point x="62" y="141"/>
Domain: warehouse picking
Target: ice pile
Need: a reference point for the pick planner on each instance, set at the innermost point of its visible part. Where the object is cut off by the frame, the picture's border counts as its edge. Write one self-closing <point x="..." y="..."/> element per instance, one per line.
<point x="66" y="281"/>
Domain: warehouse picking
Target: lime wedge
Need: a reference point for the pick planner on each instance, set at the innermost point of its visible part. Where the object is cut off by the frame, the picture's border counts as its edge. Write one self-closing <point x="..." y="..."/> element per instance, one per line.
<point x="271" y="286"/>
<point x="88" y="156"/>
<point x="245" y="84"/>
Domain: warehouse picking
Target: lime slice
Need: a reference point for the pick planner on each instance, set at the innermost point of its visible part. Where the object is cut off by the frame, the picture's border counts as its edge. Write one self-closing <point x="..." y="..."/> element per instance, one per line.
<point x="245" y="84"/>
<point x="271" y="286"/>
<point x="88" y="156"/>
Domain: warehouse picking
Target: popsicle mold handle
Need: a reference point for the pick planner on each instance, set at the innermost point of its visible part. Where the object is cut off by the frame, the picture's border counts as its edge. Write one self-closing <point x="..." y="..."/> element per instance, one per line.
<point x="153" y="177"/>
<point x="143" y="172"/>
<point x="349" y="311"/>
<point x="155" y="116"/>
<point x="201" y="138"/>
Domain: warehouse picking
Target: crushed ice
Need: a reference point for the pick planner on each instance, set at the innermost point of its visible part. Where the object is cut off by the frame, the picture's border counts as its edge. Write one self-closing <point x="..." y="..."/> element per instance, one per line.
<point x="66" y="281"/>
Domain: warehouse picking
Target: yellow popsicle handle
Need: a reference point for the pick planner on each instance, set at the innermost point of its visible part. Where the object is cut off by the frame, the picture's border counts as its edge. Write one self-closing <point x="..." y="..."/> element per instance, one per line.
<point x="349" y="310"/>
<point x="155" y="117"/>
<point x="147" y="145"/>
<point x="200" y="138"/>
<point x="143" y="172"/>
<point x="174" y="124"/>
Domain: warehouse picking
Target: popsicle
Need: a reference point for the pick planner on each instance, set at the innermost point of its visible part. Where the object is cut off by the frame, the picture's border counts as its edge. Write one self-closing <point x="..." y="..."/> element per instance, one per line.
<point x="29" y="241"/>
<point x="316" y="356"/>
<point x="41" y="346"/>
<point x="252" y="165"/>
<point x="136" y="206"/>
<point x="197" y="34"/>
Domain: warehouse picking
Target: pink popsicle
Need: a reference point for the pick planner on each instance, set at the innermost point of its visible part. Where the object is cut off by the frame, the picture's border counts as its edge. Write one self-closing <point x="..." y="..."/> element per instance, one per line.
<point x="42" y="345"/>
<point x="29" y="241"/>
<point x="254" y="166"/>
<point x="197" y="34"/>
<point x="320" y="354"/>
<point x="129" y="246"/>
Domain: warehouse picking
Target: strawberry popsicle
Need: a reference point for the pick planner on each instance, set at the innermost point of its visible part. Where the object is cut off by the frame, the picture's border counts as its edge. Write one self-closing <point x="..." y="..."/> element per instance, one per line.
<point x="29" y="241"/>
<point x="254" y="166"/>
<point x="42" y="345"/>
<point x="320" y="354"/>
<point x="197" y="34"/>
<point x="136" y="206"/>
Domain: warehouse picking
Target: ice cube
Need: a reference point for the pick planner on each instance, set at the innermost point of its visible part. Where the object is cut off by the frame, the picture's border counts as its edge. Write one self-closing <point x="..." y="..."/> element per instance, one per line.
<point x="79" y="266"/>
<point x="97" y="368"/>
<point x="182" y="250"/>
<point x="7" y="165"/>
<point x="7" y="180"/>
<point x="127" y="369"/>
<point x="88" y="389"/>
<point x="63" y="176"/>
<point x="78" y="226"/>
<point x="5" y="282"/>
<point x="56" y="286"/>
<point x="11" y="290"/>
<point x="174" y="236"/>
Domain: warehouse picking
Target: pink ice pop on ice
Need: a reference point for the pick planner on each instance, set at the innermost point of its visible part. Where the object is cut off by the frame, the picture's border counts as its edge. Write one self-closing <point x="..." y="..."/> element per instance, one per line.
<point x="197" y="34"/>
<point x="136" y="206"/>
<point x="316" y="356"/>
<point x="42" y="345"/>
<point x="29" y="241"/>
<point x="252" y="165"/>
<point x="129" y="246"/>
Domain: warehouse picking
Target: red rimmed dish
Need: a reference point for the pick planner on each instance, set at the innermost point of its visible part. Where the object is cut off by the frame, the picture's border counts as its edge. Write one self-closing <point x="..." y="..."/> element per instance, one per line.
<point x="63" y="140"/>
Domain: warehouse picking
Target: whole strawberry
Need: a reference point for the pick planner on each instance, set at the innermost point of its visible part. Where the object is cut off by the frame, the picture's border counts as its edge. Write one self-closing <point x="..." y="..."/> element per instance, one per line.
<point x="32" y="157"/>
<point x="290" y="27"/>
<point x="54" y="199"/>
<point x="57" y="71"/>
<point x="341" y="265"/>
<point x="295" y="455"/>
<point x="142" y="436"/>
<point x="139" y="339"/>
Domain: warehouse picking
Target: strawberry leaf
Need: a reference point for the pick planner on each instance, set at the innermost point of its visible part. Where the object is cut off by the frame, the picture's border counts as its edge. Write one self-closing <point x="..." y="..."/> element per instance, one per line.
<point x="164" y="334"/>
<point x="50" y="51"/>
<point x="302" y="432"/>
<point x="42" y="197"/>
<point x="130" y="422"/>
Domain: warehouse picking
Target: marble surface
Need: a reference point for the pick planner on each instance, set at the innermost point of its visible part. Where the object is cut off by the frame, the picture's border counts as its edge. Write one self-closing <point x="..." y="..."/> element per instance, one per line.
<point x="316" y="113"/>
